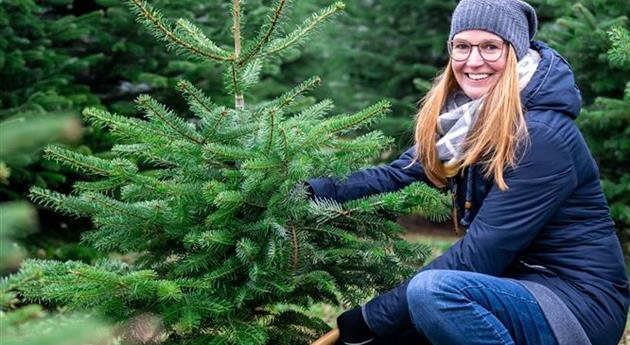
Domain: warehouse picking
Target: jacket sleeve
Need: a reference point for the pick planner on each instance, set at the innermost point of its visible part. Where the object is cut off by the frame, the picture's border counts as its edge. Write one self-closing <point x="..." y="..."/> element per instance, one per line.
<point x="383" y="179"/>
<point x="506" y="224"/>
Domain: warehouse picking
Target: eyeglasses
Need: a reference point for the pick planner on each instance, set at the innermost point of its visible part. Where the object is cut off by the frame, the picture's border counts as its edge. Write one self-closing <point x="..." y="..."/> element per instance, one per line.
<point x="490" y="51"/>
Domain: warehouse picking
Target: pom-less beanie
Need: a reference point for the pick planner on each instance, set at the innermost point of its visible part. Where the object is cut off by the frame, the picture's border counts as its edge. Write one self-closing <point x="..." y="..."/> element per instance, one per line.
<point x="513" y="20"/>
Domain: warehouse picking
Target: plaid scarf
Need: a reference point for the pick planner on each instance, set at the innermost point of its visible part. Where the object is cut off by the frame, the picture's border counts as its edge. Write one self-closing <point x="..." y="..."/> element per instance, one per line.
<point x="460" y="113"/>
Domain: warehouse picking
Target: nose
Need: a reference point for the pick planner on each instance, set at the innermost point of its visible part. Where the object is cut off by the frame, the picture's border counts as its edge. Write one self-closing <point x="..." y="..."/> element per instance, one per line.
<point x="475" y="58"/>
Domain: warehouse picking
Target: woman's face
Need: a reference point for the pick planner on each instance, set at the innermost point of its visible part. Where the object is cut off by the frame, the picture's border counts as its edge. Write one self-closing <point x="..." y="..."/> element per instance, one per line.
<point x="475" y="75"/>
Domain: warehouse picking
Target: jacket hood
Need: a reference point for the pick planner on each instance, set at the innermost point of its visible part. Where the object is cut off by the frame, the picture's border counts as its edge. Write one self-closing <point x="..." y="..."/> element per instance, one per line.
<point x="552" y="86"/>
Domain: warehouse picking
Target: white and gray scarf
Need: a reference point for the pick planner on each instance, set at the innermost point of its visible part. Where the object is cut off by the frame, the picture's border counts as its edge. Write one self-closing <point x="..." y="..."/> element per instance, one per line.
<point x="460" y="113"/>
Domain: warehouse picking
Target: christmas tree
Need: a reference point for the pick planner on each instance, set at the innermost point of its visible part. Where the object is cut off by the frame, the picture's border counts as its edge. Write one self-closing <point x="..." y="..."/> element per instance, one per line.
<point x="580" y="34"/>
<point x="219" y="238"/>
<point x="606" y="125"/>
<point x="595" y="33"/>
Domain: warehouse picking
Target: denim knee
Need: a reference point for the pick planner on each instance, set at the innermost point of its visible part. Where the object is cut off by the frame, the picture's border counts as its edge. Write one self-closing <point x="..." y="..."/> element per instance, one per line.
<point x="429" y="288"/>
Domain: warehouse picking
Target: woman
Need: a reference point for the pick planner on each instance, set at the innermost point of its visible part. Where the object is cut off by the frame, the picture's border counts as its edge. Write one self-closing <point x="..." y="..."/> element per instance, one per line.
<point x="540" y="262"/>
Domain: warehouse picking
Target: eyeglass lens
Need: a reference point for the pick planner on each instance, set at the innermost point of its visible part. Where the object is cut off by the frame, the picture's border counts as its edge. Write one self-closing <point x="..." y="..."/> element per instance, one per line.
<point x="489" y="50"/>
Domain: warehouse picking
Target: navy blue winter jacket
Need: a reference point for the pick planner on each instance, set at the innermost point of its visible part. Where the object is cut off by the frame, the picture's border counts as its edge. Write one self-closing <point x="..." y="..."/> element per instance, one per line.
<point x="552" y="226"/>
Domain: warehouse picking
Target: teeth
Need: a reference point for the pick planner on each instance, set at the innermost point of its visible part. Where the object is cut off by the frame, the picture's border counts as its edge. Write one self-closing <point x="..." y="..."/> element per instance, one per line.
<point x="477" y="76"/>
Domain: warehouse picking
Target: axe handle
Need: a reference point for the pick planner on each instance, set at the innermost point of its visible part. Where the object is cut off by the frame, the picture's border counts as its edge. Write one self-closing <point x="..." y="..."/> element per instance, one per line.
<point x="328" y="339"/>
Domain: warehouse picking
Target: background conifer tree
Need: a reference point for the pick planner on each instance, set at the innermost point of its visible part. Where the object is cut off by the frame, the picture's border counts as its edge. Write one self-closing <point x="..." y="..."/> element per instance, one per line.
<point x="27" y="324"/>
<point x="606" y="124"/>
<point x="212" y="214"/>
<point x="389" y="49"/>
<point x="59" y="56"/>
<point x="593" y="36"/>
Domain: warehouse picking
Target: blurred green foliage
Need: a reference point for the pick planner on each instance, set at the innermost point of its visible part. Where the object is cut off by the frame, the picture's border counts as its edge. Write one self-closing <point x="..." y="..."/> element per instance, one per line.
<point x="26" y="324"/>
<point x="593" y="36"/>
<point x="379" y="49"/>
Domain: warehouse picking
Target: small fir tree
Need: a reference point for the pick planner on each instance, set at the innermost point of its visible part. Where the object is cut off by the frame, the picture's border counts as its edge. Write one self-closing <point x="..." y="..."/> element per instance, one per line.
<point x="212" y="214"/>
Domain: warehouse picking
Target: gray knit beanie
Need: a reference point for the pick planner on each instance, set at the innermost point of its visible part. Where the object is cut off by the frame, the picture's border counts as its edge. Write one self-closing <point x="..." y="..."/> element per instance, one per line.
<point x="513" y="20"/>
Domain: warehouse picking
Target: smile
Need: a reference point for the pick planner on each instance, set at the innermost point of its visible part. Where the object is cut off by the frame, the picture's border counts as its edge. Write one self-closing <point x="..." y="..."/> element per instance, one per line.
<point x="480" y="76"/>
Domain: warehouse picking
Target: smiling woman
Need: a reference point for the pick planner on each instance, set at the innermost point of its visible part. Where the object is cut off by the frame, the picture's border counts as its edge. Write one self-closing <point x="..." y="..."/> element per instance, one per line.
<point x="539" y="262"/>
<point x="468" y="133"/>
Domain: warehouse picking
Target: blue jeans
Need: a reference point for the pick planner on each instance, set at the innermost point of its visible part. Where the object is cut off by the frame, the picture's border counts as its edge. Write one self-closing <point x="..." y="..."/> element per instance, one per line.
<point x="457" y="307"/>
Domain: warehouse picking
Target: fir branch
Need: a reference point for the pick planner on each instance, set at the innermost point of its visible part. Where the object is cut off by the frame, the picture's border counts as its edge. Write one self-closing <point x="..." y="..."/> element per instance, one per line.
<point x="283" y="101"/>
<point x="228" y="153"/>
<point x="416" y="198"/>
<point x="222" y="115"/>
<point x="156" y="110"/>
<point x="326" y="209"/>
<point x="168" y="290"/>
<point x="201" y="105"/>
<point x="337" y="235"/>
<point x="229" y="200"/>
<point x="296" y="247"/>
<point x="362" y="211"/>
<point x="263" y="163"/>
<point x="236" y="133"/>
<point x="214" y="240"/>
<point x="125" y="127"/>
<point x="271" y="127"/>
<point x="90" y="164"/>
<point x="587" y="16"/>
<point x="285" y="144"/>
<point x="105" y="185"/>
<point x="246" y="250"/>
<point x="59" y="202"/>
<point x="186" y="28"/>
<point x="342" y="123"/>
<point x="288" y="97"/>
<point x="195" y="263"/>
<point x="250" y="75"/>
<point x="299" y="34"/>
<point x="161" y="30"/>
<point x="262" y="40"/>
<point x="227" y="271"/>
<point x="619" y="53"/>
<point x="311" y="114"/>
<point x="116" y="206"/>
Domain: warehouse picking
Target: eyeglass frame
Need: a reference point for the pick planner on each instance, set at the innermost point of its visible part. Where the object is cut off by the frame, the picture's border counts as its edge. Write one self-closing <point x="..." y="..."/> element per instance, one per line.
<point x="450" y="53"/>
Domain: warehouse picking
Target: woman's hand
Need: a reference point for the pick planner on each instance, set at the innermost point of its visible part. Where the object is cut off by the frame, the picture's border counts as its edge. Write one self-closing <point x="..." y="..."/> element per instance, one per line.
<point x="353" y="330"/>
